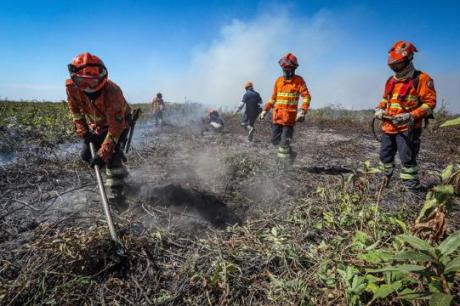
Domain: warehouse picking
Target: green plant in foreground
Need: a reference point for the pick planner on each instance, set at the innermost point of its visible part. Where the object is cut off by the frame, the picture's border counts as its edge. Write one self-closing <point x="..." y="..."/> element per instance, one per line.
<point x="422" y="271"/>
<point x="431" y="223"/>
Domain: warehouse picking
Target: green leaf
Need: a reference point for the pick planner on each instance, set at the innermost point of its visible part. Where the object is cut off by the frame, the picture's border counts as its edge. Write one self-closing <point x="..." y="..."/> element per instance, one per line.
<point x="413" y="255"/>
<point x="387" y="289"/>
<point x="409" y="294"/>
<point x="417" y="243"/>
<point x="444" y="189"/>
<point x="453" y="265"/>
<point x="441" y="299"/>
<point x="446" y="173"/>
<point x="428" y="206"/>
<point x="451" y="122"/>
<point x="399" y="268"/>
<point x="450" y="244"/>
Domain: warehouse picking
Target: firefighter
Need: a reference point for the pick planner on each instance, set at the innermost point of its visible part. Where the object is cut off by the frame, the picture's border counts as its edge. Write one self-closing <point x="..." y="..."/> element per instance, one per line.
<point x="158" y="107"/>
<point x="100" y="116"/>
<point x="284" y="102"/>
<point x="251" y="102"/>
<point x="213" y="122"/>
<point x="409" y="98"/>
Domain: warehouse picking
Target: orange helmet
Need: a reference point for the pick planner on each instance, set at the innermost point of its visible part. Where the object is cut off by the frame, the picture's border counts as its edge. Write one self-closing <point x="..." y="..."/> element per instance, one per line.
<point x="88" y="72"/>
<point x="212" y="111"/>
<point x="400" y="52"/>
<point x="289" y="61"/>
<point x="248" y="84"/>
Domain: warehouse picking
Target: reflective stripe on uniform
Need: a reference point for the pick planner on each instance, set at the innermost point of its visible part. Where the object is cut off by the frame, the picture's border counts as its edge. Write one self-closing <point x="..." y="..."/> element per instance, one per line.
<point x="76" y="117"/>
<point x="388" y="168"/>
<point x="111" y="138"/>
<point x="408" y="97"/>
<point x="409" y="173"/>
<point x="94" y="118"/>
<point x="286" y="102"/>
<point x="114" y="182"/>
<point x="283" y="152"/>
<point x="116" y="172"/>
<point x="287" y="94"/>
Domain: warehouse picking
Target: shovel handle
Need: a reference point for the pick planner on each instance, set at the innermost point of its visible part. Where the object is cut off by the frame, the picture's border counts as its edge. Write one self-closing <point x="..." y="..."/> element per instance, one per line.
<point x="105" y="202"/>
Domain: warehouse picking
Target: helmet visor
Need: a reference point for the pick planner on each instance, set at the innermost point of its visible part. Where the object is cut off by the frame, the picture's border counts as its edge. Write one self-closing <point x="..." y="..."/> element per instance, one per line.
<point x="87" y="82"/>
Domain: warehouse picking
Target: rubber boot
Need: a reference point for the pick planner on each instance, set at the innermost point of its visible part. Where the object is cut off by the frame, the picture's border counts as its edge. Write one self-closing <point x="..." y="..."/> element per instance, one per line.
<point x="250" y="133"/>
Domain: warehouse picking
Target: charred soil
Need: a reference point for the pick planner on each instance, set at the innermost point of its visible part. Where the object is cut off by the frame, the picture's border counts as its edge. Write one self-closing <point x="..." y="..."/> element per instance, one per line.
<point x="211" y="219"/>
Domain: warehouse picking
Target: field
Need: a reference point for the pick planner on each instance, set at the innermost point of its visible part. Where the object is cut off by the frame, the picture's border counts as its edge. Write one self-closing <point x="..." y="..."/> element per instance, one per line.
<point x="213" y="220"/>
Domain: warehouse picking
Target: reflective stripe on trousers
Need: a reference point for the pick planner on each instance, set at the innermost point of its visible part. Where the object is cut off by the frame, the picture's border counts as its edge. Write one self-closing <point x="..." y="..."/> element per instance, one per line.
<point x="284" y="151"/>
<point x="116" y="176"/>
<point x="409" y="173"/>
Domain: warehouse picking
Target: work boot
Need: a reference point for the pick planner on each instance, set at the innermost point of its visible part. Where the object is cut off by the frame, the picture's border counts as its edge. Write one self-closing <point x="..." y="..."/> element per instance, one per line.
<point x="292" y="157"/>
<point x="117" y="199"/>
<point x="250" y="133"/>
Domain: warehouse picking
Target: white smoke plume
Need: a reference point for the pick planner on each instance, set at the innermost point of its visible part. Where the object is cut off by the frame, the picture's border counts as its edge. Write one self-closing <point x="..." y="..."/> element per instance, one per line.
<point x="339" y="69"/>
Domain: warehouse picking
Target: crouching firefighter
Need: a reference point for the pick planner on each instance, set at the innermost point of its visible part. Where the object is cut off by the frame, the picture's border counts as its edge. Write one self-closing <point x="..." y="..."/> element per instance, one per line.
<point x="100" y="116"/>
<point x="409" y="99"/>
<point x="284" y="102"/>
<point x="212" y="123"/>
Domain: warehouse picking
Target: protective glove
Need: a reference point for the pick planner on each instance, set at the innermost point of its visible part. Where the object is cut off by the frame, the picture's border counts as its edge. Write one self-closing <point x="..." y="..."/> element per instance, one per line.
<point x="90" y="136"/>
<point x="97" y="161"/>
<point x="379" y="113"/>
<point x="402" y="119"/>
<point x="262" y="115"/>
<point x="300" y="117"/>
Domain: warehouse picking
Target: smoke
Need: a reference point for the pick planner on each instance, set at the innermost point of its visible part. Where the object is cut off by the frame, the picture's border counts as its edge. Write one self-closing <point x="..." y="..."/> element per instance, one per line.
<point x="250" y="51"/>
<point x="341" y="66"/>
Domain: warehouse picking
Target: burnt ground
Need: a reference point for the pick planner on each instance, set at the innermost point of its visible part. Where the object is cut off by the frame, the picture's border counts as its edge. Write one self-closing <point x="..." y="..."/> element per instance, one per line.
<point x="193" y="185"/>
<point x="180" y="179"/>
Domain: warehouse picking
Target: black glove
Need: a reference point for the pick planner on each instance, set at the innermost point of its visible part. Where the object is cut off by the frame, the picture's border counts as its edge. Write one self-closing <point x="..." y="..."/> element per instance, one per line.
<point x="90" y="136"/>
<point x="97" y="161"/>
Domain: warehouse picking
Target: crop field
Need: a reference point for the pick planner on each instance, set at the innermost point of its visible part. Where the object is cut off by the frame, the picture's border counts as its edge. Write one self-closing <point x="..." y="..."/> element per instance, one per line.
<point x="212" y="220"/>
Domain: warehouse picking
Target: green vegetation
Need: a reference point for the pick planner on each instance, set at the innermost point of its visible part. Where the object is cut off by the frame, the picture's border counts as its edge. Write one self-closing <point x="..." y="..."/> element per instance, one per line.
<point x="335" y="247"/>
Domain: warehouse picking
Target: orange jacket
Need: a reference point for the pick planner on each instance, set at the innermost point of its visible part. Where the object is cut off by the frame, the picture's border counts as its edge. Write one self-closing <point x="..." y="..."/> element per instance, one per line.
<point x="285" y="99"/>
<point x="106" y="114"/>
<point x="419" y="102"/>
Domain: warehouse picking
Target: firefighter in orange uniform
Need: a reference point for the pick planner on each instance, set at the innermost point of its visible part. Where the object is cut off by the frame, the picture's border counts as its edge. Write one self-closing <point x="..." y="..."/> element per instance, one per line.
<point x="100" y="115"/>
<point x="409" y="99"/>
<point x="284" y="102"/>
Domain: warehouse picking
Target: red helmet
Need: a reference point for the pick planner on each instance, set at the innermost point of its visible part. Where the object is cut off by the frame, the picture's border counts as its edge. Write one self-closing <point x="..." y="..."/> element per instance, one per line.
<point x="400" y="52"/>
<point x="88" y="72"/>
<point x="289" y="61"/>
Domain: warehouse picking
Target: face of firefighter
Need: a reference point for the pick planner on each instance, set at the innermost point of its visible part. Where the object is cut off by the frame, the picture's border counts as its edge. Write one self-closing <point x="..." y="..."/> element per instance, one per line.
<point x="288" y="73"/>
<point x="399" y="66"/>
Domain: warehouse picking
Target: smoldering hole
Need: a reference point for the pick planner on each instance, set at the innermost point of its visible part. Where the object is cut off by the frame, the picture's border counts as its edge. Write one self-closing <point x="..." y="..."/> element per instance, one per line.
<point x="200" y="202"/>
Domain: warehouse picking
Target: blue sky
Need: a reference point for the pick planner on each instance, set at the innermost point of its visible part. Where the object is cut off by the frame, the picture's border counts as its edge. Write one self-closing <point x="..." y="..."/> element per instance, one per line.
<point x="204" y="50"/>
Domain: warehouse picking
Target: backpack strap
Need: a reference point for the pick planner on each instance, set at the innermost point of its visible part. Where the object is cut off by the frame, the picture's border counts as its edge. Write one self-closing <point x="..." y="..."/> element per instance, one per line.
<point x="389" y="86"/>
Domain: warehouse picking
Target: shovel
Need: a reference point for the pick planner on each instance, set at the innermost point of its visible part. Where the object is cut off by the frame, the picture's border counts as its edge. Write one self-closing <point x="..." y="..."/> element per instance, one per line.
<point x="105" y="204"/>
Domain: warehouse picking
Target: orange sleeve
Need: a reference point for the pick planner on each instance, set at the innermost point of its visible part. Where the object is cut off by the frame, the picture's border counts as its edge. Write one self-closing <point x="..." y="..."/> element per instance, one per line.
<point x="305" y="95"/>
<point x="79" y="121"/>
<point x="116" y="119"/>
<point x="269" y="104"/>
<point x="427" y="96"/>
